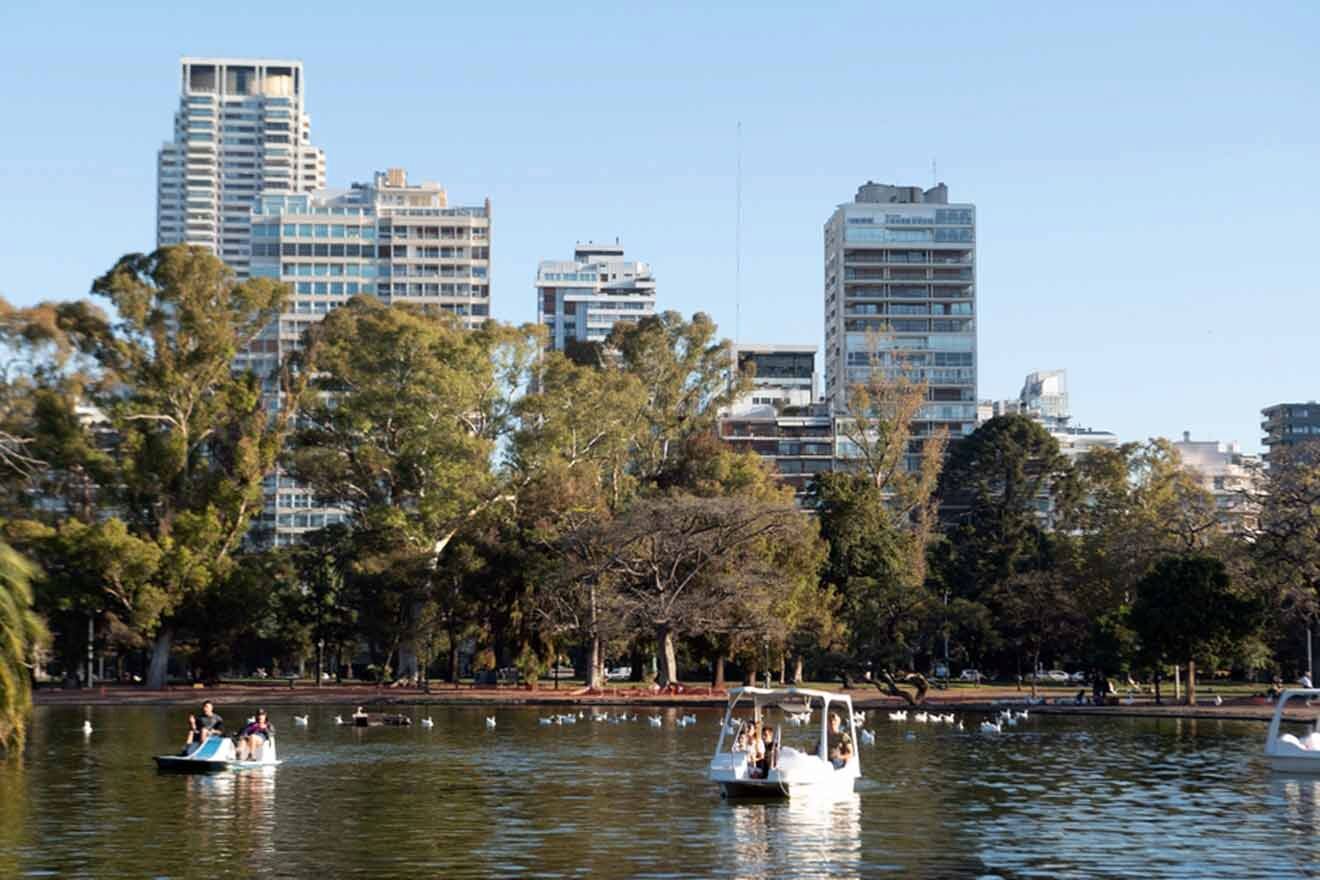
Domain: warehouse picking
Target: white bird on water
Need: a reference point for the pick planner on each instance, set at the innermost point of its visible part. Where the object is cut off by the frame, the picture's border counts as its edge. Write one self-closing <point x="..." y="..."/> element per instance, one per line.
<point x="300" y="720"/>
<point x="867" y="736"/>
<point x="427" y="722"/>
<point x="988" y="727"/>
<point x="859" y="718"/>
<point x="655" y="720"/>
<point x="490" y="722"/>
<point x="339" y="719"/>
<point x="546" y="722"/>
<point x="87" y="727"/>
<point x="921" y="718"/>
<point x="898" y="716"/>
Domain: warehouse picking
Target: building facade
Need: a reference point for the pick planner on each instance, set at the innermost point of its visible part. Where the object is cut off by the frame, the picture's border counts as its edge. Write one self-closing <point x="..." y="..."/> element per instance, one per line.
<point x="900" y="296"/>
<point x="397" y="241"/>
<point x="580" y="300"/>
<point x="784" y="375"/>
<point x="780" y="418"/>
<point x="1288" y="424"/>
<point x="1232" y="476"/>
<point x="241" y="129"/>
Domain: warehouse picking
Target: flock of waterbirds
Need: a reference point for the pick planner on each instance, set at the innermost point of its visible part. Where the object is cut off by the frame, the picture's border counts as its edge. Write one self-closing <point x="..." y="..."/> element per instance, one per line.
<point x="1002" y="720"/>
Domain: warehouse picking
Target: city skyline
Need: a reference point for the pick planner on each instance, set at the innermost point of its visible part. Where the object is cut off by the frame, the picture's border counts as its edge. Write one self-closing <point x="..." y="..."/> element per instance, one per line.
<point x="1139" y="163"/>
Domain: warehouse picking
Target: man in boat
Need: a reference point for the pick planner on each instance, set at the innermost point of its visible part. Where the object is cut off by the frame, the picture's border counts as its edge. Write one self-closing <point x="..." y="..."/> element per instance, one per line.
<point x="843" y="748"/>
<point x="204" y="725"/>
<point x="254" y="736"/>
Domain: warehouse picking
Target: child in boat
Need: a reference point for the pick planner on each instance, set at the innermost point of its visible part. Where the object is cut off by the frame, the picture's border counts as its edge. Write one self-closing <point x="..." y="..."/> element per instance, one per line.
<point x="253" y="736"/>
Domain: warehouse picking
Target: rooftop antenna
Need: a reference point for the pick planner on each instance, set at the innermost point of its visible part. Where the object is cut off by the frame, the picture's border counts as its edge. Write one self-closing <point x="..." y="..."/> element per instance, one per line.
<point x="934" y="177"/>
<point x="737" y="242"/>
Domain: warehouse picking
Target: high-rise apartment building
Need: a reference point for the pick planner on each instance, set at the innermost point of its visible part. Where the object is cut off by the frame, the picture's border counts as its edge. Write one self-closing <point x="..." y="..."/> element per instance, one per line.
<point x="900" y="295"/>
<point x="397" y="241"/>
<point x="582" y="299"/>
<point x="240" y="130"/>
<point x="1288" y="424"/>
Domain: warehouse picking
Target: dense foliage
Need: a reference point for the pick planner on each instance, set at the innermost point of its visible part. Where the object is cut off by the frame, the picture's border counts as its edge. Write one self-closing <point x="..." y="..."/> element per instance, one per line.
<point x="508" y="506"/>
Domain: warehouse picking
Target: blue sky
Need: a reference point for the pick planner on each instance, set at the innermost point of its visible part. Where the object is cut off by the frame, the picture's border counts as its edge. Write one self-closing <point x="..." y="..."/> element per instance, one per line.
<point x="1145" y="175"/>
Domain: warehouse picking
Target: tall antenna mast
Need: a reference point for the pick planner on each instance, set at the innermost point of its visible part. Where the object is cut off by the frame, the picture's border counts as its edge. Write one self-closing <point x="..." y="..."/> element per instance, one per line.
<point x="934" y="177"/>
<point x="737" y="243"/>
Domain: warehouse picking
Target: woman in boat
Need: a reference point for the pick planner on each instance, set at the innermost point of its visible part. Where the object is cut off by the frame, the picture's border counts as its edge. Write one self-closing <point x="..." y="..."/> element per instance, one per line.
<point x="255" y="735"/>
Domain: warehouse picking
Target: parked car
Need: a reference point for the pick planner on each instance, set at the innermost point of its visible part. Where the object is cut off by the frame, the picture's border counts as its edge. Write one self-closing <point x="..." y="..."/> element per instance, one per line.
<point x="619" y="673"/>
<point x="1055" y="676"/>
<point x="971" y="675"/>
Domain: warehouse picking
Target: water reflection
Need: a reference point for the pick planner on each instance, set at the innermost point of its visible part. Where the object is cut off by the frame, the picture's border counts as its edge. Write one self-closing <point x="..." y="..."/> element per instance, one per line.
<point x="803" y="837"/>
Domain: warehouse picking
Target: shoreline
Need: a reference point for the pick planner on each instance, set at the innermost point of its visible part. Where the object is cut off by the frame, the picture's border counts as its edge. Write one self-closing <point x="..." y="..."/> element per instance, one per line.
<point x="1239" y="709"/>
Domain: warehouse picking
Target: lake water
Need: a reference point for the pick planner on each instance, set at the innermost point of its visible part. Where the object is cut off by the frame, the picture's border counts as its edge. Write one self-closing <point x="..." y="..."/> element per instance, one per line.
<point x="1055" y="797"/>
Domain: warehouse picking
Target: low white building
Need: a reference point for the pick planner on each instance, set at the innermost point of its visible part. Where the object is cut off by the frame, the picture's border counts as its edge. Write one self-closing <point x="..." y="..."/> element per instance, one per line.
<point x="580" y="300"/>
<point x="1232" y="476"/>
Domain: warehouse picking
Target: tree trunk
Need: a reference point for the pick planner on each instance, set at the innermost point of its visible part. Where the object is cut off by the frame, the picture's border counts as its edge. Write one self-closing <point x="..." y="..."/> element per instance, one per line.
<point x="596" y="677"/>
<point x="1191" y="682"/>
<point x="1035" y="672"/>
<point x="320" y="662"/>
<point x="1158" y="701"/>
<point x="717" y="679"/>
<point x="783" y="669"/>
<point x="453" y="661"/>
<point x="664" y="637"/>
<point x="797" y="669"/>
<point x="159" y="670"/>
<point x="638" y="660"/>
<point x="749" y="673"/>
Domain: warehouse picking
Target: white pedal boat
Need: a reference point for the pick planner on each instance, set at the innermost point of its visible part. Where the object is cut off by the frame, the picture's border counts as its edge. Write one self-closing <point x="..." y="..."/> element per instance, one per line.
<point x="796" y="772"/>
<point x="216" y="754"/>
<point x="1288" y="753"/>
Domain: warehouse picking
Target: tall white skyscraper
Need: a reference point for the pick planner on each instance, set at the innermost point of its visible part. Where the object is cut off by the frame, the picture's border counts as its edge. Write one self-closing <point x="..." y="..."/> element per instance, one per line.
<point x="582" y="299"/>
<point x="240" y="130"/>
<point x="900" y="295"/>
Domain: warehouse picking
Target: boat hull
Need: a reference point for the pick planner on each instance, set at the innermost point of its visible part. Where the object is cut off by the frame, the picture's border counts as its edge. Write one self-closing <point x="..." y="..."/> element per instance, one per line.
<point x="1295" y="764"/>
<point x="215" y="755"/>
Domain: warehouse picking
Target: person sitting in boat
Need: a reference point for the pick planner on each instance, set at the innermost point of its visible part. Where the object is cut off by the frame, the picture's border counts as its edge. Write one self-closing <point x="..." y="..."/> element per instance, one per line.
<point x="843" y="748"/>
<point x="253" y="736"/>
<point x="204" y="724"/>
<point x="767" y="753"/>
<point x="743" y="742"/>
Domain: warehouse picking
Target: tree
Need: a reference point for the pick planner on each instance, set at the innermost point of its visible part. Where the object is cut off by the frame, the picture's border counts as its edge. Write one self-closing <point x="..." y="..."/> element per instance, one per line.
<point x="878" y="517"/>
<point x="323" y="562"/>
<point x="21" y="633"/>
<point x="994" y="486"/>
<point x="686" y="378"/>
<point x="1037" y="610"/>
<point x="683" y="563"/>
<point x="1287" y="544"/>
<point x="1186" y="610"/>
<point x="195" y="437"/>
